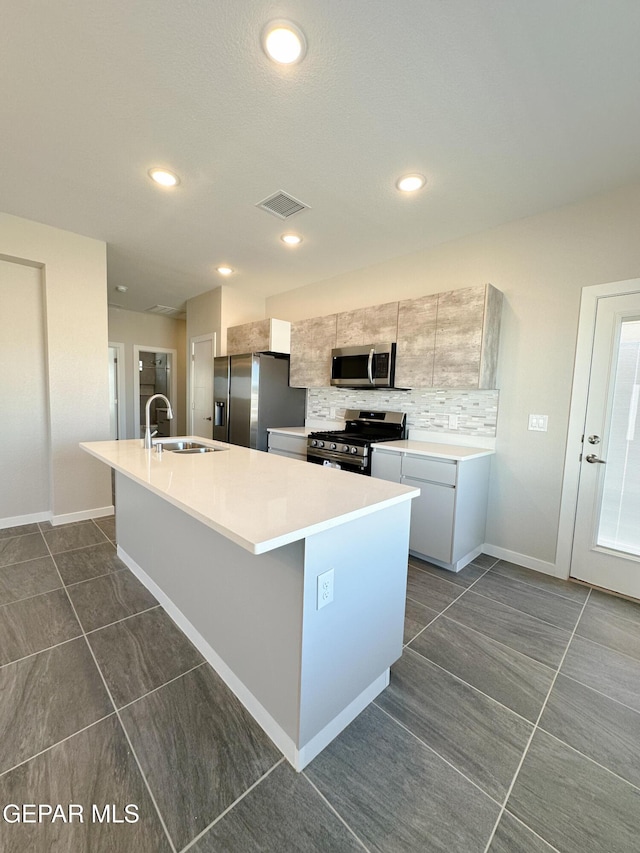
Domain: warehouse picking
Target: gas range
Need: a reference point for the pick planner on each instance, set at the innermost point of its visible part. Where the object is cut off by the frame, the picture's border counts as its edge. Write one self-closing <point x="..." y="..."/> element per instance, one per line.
<point x="349" y="448"/>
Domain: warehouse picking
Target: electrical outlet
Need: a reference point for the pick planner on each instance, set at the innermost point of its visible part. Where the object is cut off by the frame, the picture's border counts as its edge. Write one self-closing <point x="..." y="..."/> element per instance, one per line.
<point x="325" y="589"/>
<point x="453" y="422"/>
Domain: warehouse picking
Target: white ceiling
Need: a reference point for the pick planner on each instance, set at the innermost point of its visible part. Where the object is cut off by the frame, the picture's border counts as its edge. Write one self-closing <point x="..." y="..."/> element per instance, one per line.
<point x="509" y="107"/>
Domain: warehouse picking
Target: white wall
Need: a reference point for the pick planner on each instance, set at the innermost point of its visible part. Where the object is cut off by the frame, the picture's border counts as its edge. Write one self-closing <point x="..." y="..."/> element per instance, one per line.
<point x="75" y="315"/>
<point x="24" y="441"/>
<point x="540" y="264"/>
<point x="238" y="308"/>
<point x="134" y="327"/>
<point x="204" y="315"/>
<point x="215" y="310"/>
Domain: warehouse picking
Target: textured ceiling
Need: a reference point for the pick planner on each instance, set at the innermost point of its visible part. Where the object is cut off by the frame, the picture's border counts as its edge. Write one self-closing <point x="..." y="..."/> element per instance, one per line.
<point x="509" y="107"/>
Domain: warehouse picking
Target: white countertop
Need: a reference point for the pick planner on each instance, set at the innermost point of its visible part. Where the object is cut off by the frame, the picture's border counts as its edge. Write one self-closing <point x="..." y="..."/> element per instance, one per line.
<point x="453" y="452"/>
<point x="259" y="500"/>
<point x="299" y="430"/>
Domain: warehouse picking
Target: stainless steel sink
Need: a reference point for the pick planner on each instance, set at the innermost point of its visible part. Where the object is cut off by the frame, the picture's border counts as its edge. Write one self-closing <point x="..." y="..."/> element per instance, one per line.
<point x="188" y="447"/>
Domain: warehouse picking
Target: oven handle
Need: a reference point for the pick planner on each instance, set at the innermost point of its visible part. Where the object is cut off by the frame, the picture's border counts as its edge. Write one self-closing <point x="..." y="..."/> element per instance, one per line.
<point x="370" y="365"/>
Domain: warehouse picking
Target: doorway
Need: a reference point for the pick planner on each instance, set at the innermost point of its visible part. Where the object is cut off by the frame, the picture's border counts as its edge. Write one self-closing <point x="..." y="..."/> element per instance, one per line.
<point x="116" y="391"/>
<point x="203" y="350"/>
<point x="24" y="495"/>
<point x="606" y="536"/>
<point x="154" y="372"/>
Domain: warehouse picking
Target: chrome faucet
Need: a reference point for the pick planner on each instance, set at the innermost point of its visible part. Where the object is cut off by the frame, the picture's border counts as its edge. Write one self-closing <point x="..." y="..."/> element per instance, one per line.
<point x="148" y="435"/>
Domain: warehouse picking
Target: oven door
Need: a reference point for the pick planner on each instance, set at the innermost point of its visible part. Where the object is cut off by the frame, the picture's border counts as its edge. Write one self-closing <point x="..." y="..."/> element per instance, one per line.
<point x="357" y="465"/>
<point x="370" y="366"/>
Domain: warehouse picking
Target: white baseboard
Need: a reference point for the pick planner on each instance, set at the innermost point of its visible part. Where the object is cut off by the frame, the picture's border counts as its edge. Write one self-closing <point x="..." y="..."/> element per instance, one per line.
<point x="315" y="746"/>
<point x="19" y="520"/>
<point x="524" y="560"/>
<point x="82" y="515"/>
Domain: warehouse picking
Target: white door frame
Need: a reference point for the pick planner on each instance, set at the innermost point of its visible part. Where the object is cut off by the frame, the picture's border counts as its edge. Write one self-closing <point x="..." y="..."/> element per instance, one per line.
<point x="578" y="412"/>
<point x="210" y="336"/>
<point x="173" y="393"/>
<point x="120" y="392"/>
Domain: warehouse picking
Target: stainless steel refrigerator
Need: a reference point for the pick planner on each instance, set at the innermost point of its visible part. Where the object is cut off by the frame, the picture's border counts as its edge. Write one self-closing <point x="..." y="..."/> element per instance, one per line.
<point x="250" y="394"/>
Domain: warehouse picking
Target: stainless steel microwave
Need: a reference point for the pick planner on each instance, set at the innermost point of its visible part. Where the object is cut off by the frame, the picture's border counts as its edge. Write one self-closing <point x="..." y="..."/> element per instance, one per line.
<point x="371" y="366"/>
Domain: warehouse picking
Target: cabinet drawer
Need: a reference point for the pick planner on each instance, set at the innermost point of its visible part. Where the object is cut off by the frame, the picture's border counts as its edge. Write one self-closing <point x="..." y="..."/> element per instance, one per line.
<point x="385" y="466"/>
<point x="426" y="468"/>
<point x="290" y="443"/>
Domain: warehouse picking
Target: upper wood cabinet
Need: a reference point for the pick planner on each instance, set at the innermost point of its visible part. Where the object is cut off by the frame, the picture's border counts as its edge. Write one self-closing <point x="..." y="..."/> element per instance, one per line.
<point x="416" y="342"/>
<point x="467" y="337"/>
<point x="377" y="323"/>
<point x="445" y="340"/>
<point x="261" y="336"/>
<point x="311" y="343"/>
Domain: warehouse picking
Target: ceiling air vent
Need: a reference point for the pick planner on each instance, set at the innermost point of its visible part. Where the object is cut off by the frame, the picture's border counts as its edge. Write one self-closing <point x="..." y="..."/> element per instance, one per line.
<point x="282" y="205"/>
<point x="163" y="309"/>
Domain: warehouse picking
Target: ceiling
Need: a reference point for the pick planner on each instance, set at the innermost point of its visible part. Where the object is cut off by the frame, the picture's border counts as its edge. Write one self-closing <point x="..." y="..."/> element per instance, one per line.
<point x="509" y="107"/>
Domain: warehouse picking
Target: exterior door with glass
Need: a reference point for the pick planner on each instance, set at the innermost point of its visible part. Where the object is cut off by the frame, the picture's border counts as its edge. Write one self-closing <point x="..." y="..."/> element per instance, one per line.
<point x="606" y="546"/>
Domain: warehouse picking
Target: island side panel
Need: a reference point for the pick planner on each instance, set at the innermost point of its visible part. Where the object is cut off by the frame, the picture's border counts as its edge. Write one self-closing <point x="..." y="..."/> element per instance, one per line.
<point x="247" y="607"/>
<point x="352" y="641"/>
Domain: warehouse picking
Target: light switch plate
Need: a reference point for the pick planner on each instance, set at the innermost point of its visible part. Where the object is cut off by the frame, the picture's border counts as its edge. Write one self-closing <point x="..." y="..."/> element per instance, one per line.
<point x="538" y="423"/>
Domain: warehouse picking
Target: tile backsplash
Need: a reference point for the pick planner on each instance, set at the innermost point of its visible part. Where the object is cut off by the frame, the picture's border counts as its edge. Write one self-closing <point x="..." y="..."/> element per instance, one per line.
<point x="426" y="409"/>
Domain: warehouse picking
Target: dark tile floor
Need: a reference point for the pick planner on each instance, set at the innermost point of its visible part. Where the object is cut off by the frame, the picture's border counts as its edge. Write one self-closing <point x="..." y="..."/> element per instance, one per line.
<point x="511" y="724"/>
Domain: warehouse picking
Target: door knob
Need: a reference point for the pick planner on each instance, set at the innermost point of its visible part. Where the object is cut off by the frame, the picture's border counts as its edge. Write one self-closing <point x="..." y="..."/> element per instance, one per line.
<point x="594" y="439"/>
<point x="593" y="458"/>
<point x="208" y="419"/>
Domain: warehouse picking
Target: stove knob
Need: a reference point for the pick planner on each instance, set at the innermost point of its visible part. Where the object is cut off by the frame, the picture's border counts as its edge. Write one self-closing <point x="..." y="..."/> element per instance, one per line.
<point x="321" y="444"/>
<point x="313" y="442"/>
<point x="345" y="448"/>
<point x="333" y="446"/>
<point x="354" y="450"/>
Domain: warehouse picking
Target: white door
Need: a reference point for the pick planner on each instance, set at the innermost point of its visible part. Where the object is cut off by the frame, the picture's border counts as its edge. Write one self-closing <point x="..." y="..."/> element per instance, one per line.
<point x="202" y="353"/>
<point x="606" y="548"/>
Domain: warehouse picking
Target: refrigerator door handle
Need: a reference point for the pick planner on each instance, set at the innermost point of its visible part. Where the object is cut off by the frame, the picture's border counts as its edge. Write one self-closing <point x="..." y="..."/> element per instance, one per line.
<point x="220" y="413"/>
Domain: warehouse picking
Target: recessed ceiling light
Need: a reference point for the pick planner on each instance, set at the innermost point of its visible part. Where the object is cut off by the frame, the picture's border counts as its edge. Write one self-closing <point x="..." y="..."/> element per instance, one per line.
<point x="284" y="42"/>
<point x="224" y="270"/>
<point x="291" y="239"/>
<point x="164" y="177"/>
<point x="411" y="183"/>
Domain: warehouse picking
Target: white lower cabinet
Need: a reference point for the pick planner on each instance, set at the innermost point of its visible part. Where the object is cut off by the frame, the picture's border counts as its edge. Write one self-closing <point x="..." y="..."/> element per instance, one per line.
<point x="293" y="446"/>
<point x="448" y="518"/>
<point x="432" y="519"/>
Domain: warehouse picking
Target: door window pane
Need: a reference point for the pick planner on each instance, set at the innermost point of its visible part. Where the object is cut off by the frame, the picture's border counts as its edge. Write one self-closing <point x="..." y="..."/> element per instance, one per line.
<point x="619" y="526"/>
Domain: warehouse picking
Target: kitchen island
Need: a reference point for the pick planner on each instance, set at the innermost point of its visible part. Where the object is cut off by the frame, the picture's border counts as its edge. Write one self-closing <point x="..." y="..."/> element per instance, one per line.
<point x="236" y="545"/>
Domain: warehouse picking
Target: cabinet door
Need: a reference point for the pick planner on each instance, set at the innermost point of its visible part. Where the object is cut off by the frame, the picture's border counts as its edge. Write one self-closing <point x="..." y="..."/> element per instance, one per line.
<point x="249" y="337"/>
<point x="288" y="455"/>
<point x="459" y="338"/>
<point x="311" y="343"/>
<point x="432" y="515"/>
<point x="380" y="323"/>
<point x="350" y="328"/>
<point x="416" y="342"/>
